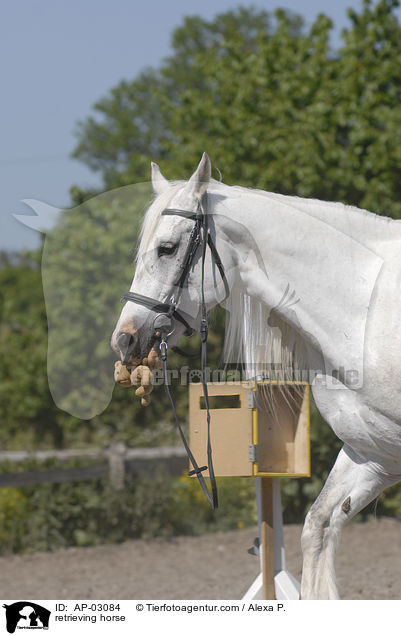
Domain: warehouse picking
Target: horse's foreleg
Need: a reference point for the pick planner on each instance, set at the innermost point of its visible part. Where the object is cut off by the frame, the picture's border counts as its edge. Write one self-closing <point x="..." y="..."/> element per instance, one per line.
<point x="351" y="485"/>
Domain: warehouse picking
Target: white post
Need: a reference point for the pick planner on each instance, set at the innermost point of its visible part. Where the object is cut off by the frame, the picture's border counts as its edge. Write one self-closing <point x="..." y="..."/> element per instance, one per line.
<point x="117" y="455"/>
<point x="279" y="551"/>
<point x="285" y="585"/>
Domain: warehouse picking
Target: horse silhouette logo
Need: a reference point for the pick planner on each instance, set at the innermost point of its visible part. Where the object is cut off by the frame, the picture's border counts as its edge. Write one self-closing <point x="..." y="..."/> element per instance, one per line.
<point x="26" y="615"/>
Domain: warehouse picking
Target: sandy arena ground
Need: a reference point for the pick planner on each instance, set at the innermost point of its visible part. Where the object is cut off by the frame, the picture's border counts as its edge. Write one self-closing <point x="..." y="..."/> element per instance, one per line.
<point x="214" y="566"/>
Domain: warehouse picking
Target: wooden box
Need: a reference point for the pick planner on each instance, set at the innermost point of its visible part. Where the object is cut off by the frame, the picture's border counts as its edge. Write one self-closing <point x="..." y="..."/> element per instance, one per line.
<point x="257" y="429"/>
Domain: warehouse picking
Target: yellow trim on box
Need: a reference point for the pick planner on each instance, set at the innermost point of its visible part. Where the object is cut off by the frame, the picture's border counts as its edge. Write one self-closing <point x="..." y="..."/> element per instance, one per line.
<point x="281" y="474"/>
<point x="307" y="398"/>
<point x="255" y="465"/>
<point x="255" y="436"/>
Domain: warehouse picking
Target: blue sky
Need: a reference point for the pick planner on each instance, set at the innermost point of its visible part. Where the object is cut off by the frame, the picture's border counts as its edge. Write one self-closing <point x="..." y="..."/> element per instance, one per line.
<point x="59" y="58"/>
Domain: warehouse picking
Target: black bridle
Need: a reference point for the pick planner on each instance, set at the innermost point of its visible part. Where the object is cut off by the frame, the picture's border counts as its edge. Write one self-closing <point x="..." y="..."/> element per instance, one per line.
<point x="167" y="312"/>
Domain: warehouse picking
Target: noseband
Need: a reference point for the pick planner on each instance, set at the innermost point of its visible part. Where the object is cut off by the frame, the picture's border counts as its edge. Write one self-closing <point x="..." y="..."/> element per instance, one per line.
<point x="163" y="324"/>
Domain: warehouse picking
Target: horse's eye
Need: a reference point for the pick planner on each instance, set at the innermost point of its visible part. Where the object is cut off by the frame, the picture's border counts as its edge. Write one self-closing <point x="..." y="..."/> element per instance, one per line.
<point x="166" y="249"/>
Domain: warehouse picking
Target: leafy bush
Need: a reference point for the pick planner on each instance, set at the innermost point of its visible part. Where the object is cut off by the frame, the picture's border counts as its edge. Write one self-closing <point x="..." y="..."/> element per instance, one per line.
<point x="13" y="511"/>
<point x="86" y="513"/>
<point x="54" y="516"/>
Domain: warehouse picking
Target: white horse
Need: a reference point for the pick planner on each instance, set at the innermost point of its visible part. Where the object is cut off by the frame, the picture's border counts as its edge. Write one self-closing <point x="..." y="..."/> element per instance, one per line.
<point x="323" y="277"/>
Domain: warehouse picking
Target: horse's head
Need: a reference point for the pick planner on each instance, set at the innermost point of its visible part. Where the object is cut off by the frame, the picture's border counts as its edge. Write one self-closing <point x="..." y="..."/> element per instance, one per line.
<point x="169" y="267"/>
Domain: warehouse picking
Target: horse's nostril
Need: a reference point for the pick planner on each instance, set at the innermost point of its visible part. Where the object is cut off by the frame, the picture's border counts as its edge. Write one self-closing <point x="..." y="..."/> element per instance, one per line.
<point x="124" y="339"/>
<point x="129" y="346"/>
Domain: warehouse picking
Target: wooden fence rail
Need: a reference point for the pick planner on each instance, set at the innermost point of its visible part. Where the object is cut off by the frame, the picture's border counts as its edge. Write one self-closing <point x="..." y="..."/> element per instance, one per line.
<point x="120" y="463"/>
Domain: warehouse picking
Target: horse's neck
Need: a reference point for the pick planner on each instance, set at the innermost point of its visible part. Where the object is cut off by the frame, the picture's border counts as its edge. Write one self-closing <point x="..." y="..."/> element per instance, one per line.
<point x="317" y="264"/>
<point x="365" y="227"/>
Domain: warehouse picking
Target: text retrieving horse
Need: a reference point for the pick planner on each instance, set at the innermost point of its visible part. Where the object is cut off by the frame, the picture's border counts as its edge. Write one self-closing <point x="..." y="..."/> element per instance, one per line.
<point x="316" y="285"/>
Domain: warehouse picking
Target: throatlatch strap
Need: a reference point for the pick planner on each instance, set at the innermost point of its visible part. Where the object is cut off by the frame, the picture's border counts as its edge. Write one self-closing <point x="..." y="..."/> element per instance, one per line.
<point x="203" y="335"/>
<point x="219" y="264"/>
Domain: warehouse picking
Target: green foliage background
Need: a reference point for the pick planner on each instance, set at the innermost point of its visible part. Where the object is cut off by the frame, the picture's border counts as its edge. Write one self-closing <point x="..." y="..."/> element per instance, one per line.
<point x="275" y="108"/>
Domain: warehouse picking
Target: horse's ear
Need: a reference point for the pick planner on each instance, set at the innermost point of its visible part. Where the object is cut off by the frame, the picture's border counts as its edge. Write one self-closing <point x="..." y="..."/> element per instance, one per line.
<point x="201" y="177"/>
<point x="159" y="183"/>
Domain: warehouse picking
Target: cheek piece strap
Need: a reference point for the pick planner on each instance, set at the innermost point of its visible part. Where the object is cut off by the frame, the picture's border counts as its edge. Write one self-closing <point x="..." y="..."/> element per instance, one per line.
<point x="167" y="312"/>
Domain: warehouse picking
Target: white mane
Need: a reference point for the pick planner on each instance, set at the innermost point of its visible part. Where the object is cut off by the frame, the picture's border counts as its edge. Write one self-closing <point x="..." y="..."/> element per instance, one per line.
<point x="276" y="353"/>
<point x="279" y="352"/>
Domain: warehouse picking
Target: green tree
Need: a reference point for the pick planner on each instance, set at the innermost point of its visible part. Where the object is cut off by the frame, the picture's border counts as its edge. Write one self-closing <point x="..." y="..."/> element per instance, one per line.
<point x="128" y="128"/>
<point x="367" y="110"/>
<point x="270" y="102"/>
<point x="275" y="108"/>
<point x="27" y="413"/>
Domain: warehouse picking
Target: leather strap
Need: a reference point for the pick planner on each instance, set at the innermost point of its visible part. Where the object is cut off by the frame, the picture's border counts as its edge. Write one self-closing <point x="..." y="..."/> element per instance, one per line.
<point x="219" y="264"/>
<point x="196" y="469"/>
<point x="197" y="216"/>
<point x="185" y="354"/>
<point x="200" y="235"/>
<point x="160" y="308"/>
<point x="185" y="213"/>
